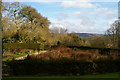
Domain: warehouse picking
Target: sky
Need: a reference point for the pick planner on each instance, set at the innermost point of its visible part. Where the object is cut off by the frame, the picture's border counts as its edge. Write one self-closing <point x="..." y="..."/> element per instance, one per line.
<point x="79" y="17"/>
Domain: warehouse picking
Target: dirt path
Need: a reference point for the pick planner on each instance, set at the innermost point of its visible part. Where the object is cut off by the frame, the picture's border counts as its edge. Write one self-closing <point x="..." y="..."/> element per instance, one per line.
<point x="23" y="57"/>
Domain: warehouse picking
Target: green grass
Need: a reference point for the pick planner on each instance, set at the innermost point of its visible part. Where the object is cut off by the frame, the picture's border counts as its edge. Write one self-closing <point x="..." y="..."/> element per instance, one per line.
<point x="109" y="75"/>
<point x="16" y="56"/>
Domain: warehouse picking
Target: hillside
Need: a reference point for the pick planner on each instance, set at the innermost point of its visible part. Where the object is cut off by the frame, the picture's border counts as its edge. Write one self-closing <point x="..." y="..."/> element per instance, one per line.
<point x="84" y="35"/>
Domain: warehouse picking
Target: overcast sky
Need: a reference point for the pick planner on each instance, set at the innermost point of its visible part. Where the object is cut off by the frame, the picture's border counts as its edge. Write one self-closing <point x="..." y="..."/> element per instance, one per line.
<point x="76" y="16"/>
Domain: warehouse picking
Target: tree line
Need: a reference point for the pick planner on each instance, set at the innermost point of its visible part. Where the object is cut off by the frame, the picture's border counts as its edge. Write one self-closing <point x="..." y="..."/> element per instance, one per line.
<point x="111" y="38"/>
<point x="24" y="24"/>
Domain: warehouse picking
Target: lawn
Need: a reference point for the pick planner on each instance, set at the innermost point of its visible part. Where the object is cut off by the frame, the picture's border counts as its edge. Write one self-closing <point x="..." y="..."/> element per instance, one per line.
<point x="17" y="56"/>
<point x="109" y="76"/>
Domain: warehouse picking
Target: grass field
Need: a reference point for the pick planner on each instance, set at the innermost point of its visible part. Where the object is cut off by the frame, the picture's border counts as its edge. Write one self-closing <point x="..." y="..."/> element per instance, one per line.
<point x="17" y="56"/>
<point x="109" y="76"/>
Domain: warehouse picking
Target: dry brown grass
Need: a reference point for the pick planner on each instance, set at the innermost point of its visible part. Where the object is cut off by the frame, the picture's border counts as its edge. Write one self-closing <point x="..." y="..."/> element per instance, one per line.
<point x="64" y="52"/>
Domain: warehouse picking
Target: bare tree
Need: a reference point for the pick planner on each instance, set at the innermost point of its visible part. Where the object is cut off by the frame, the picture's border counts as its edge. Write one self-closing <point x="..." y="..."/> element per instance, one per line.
<point x="114" y="33"/>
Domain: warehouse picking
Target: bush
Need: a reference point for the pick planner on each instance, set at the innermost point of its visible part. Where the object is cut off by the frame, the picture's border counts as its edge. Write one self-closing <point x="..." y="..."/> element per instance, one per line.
<point x="24" y="46"/>
<point x="108" y="66"/>
<point x="62" y="66"/>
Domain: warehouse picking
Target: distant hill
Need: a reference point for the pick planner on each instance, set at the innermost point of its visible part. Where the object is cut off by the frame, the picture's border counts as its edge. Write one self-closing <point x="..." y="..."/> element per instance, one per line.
<point x="84" y="35"/>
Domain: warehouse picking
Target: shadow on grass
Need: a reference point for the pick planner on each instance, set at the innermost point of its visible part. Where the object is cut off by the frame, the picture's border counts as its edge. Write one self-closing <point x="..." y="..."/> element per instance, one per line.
<point x="109" y="76"/>
<point x="60" y="79"/>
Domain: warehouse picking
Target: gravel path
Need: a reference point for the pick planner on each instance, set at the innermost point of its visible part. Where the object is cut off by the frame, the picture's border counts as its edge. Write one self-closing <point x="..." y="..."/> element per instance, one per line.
<point x="23" y="57"/>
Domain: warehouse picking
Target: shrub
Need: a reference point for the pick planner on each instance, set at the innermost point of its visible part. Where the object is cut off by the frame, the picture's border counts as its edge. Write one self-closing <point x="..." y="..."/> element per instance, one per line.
<point x="24" y="46"/>
<point x="62" y="66"/>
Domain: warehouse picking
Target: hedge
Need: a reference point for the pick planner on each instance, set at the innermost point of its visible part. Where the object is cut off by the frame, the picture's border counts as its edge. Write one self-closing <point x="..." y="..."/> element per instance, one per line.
<point x="24" y="46"/>
<point x="62" y="67"/>
<point x="103" y="51"/>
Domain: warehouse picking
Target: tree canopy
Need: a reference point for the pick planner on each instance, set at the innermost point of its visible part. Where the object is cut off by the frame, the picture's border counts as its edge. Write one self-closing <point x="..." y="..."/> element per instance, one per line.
<point x="24" y="24"/>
